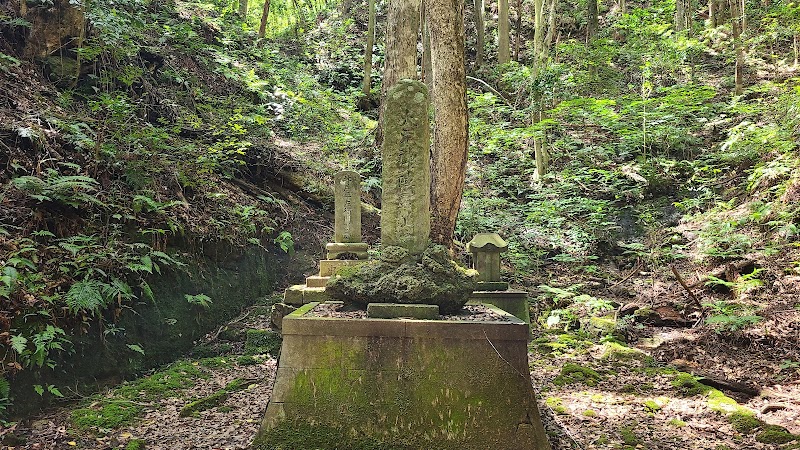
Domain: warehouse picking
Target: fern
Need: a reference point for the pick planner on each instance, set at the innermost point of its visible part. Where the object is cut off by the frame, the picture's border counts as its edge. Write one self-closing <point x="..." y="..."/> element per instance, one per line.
<point x="86" y="296"/>
<point x="71" y="190"/>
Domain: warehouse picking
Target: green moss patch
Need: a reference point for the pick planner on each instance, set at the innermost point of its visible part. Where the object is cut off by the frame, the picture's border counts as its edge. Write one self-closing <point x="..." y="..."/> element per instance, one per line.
<point x="299" y="435"/>
<point x="123" y="405"/>
<point x="215" y="399"/>
<point x="688" y="385"/>
<point x="261" y="342"/>
<point x="744" y="422"/>
<point x="135" y="444"/>
<point x="108" y="415"/>
<point x="773" y="434"/>
<point x="573" y="373"/>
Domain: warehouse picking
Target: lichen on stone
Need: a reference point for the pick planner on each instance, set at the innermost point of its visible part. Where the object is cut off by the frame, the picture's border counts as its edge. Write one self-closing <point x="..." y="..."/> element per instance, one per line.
<point x="400" y="277"/>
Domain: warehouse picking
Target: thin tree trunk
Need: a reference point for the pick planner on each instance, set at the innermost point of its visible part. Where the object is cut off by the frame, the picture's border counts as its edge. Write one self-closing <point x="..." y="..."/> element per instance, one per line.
<point x="449" y="155"/>
<point x="427" y="64"/>
<point x="538" y="36"/>
<point x="518" y="31"/>
<point x="243" y="9"/>
<point x="367" y="84"/>
<point x="737" y="22"/>
<point x="479" y="28"/>
<point x="262" y="29"/>
<point x="795" y="50"/>
<point x="502" y="32"/>
<point x="551" y="26"/>
<point x="680" y="15"/>
<point x="712" y="13"/>
<point x="623" y="7"/>
<point x="593" y="25"/>
<point x="400" y="62"/>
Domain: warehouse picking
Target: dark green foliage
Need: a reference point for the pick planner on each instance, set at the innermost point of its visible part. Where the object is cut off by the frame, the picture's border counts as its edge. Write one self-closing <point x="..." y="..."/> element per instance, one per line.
<point x="398" y="277"/>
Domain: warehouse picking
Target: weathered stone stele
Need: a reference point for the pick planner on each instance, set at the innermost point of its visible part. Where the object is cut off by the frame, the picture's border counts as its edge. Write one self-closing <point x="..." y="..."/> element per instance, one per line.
<point x="347" y="220"/>
<point x="405" y="213"/>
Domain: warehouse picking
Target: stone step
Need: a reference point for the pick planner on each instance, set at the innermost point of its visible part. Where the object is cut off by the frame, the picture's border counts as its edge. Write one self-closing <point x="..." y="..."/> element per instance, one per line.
<point x="328" y="267"/>
<point x="300" y="294"/>
<point x="317" y="281"/>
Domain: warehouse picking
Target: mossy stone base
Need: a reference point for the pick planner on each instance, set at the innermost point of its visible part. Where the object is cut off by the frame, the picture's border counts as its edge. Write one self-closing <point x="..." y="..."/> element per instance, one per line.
<point x="402" y="384"/>
<point x="395" y="310"/>
<point x="511" y="301"/>
<point x="400" y="277"/>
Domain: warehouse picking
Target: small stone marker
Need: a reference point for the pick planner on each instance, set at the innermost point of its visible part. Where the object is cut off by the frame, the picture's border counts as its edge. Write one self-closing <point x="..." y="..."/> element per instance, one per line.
<point x="486" y="249"/>
<point x="347" y="195"/>
<point x="347" y="218"/>
<point x="395" y="310"/>
<point x="405" y="214"/>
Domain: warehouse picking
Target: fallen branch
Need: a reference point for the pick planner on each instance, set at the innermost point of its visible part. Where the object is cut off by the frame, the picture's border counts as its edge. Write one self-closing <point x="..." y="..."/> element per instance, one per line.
<point x="493" y="90"/>
<point x="685" y="286"/>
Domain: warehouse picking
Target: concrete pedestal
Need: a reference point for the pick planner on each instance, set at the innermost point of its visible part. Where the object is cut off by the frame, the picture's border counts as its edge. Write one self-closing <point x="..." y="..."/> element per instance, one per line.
<point x="403" y="384"/>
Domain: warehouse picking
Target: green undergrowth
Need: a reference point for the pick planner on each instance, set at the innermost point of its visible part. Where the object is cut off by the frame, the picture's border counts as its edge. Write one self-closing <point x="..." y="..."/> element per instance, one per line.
<point x="194" y="407"/>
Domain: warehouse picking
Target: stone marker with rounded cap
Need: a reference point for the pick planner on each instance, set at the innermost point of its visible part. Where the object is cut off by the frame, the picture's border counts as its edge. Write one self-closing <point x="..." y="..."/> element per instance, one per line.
<point x="486" y="249"/>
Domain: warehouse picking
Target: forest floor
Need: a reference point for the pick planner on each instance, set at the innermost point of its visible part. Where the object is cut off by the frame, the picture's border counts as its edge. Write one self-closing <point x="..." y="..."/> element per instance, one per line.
<point x="661" y="387"/>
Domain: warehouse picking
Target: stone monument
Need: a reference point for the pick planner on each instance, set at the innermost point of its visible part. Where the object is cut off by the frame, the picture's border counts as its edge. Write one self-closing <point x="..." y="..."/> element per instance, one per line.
<point x="486" y="249"/>
<point x="406" y="199"/>
<point x="400" y="383"/>
<point x="347" y="218"/>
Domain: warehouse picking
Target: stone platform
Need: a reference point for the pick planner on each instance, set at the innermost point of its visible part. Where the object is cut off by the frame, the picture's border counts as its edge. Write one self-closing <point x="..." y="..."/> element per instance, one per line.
<point x="405" y="383"/>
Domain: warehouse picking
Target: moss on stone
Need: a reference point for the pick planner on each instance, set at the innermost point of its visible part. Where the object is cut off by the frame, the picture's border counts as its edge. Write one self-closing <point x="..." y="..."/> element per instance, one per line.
<point x="399" y="277"/>
<point x="774" y="434"/>
<point x="300" y="435"/>
<point x="573" y="373"/>
<point x="619" y="352"/>
<point x="590" y="413"/>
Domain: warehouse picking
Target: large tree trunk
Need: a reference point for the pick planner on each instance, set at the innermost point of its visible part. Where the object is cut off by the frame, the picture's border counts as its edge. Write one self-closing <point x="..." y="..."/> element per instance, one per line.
<point x="262" y="29"/>
<point x="593" y="25"/>
<point x="367" y="84"/>
<point x="449" y="156"/>
<point x="479" y="28"/>
<point x="503" y="26"/>
<point x="400" y="62"/>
